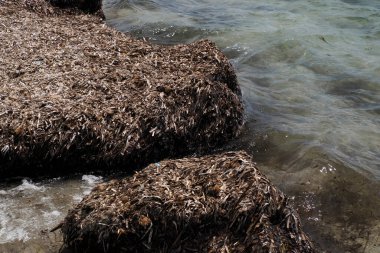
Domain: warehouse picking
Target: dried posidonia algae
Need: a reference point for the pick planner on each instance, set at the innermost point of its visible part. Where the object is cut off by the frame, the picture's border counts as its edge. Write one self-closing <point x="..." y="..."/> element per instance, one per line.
<point x="216" y="203"/>
<point x="76" y="94"/>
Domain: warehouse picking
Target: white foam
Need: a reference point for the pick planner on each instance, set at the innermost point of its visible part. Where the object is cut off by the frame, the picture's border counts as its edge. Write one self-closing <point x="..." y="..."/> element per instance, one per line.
<point x="12" y="235"/>
<point x="25" y="209"/>
<point x="27" y="186"/>
<point x="52" y="214"/>
<point x="11" y="220"/>
<point x="91" y="179"/>
<point x="31" y="207"/>
<point x="77" y="198"/>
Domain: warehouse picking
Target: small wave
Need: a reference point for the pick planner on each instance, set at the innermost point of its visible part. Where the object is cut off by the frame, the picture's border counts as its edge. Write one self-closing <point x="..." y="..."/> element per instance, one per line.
<point x="25" y="187"/>
<point x="30" y="207"/>
<point x="28" y="185"/>
<point x="91" y="179"/>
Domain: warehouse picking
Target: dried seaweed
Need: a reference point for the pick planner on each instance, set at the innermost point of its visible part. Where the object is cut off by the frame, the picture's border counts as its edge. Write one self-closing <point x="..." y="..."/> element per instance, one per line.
<point x="77" y="94"/>
<point x="58" y="7"/>
<point x="88" y="6"/>
<point x="217" y="203"/>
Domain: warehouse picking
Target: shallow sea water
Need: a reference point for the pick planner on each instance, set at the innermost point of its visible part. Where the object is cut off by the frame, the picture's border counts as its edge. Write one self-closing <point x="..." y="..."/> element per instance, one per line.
<point x="310" y="77"/>
<point x="28" y="210"/>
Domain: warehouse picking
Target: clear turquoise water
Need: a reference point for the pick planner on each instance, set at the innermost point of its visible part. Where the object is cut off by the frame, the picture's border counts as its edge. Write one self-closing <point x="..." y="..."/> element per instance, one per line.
<point x="310" y="77"/>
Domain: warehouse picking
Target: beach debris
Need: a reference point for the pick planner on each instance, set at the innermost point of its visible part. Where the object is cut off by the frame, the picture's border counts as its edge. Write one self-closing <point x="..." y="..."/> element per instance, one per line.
<point x="76" y="94"/>
<point x="215" y="203"/>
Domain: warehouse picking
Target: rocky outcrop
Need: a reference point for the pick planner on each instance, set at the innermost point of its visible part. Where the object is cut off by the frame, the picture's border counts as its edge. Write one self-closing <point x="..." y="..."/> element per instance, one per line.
<point x="217" y="203"/>
<point x="76" y="94"/>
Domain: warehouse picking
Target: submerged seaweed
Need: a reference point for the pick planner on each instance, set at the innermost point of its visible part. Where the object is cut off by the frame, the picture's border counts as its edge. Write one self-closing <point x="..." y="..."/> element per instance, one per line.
<point x="77" y="94"/>
<point x="218" y="203"/>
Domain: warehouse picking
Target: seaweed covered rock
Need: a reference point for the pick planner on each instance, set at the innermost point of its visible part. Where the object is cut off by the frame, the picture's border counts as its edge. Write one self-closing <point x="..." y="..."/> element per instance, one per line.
<point x="217" y="203"/>
<point x="59" y="7"/>
<point x="90" y="6"/>
<point x="77" y="94"/>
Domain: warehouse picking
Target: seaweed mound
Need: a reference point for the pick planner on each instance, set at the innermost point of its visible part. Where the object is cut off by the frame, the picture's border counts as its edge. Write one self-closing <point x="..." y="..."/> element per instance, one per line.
<point x="59" y="7"/>
<point x="217" y="203"/>
<point x="76" y="94"/>
<point x="89" y="6"/>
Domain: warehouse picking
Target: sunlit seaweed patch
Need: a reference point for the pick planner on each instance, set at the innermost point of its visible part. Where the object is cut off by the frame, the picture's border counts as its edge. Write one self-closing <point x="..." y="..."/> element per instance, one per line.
<point x="217" y="203"/>
<point x="76" y="94"/>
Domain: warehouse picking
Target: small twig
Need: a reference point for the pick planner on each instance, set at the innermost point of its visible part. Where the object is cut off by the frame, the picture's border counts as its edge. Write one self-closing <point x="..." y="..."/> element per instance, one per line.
<point x="56" y="227"/>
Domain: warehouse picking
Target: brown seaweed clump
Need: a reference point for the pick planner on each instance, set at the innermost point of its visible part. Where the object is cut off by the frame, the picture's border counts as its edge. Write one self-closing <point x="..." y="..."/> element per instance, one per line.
<point x="59" y="7"/>
<point x="77" y="94"/>
<point x="217" y="203"/>
<point x="90" y="6"/>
